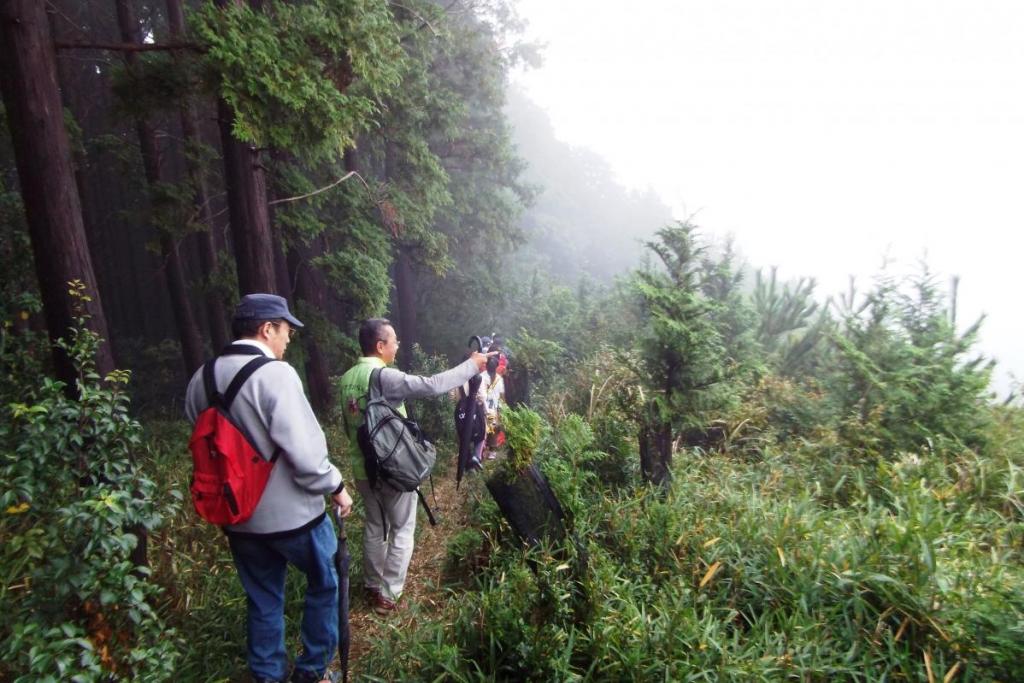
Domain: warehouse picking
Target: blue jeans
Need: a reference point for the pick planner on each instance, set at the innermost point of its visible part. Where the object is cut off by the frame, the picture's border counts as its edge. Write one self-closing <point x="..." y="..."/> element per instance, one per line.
<point x="262" y="565"/>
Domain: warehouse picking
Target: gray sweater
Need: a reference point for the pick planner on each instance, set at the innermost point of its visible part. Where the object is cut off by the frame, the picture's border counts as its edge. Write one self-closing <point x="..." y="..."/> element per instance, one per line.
<point x="398" y="386"/>
<point x="272" y="411"/>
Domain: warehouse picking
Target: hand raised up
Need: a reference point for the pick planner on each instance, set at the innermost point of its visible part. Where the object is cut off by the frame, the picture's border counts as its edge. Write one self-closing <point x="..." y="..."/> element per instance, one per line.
<point x="481" y="359"/>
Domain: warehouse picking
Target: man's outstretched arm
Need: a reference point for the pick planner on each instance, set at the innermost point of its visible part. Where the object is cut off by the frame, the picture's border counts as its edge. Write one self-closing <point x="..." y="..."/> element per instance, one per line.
<point x="399" y="386"/>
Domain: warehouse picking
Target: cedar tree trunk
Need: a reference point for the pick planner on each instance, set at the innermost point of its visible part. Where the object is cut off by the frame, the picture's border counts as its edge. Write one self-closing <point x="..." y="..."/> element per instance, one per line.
<point x="405" y="292"/>
<point x="310" y="288"/>
<point x="246" y="182"/>
<point x="405" y="280"/>
<point x="28" y="79"/>
<point x="191" y="345"/>
<point x="656" y="453"/>
<point x="205" y="245"/>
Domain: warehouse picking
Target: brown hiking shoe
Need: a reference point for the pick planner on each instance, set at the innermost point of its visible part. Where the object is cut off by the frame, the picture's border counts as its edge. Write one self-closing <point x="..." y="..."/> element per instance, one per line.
<point x="383" y="606"/>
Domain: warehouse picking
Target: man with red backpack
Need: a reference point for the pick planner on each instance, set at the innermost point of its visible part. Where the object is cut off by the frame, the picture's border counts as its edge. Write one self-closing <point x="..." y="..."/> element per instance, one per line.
<point x="288" y="524"/>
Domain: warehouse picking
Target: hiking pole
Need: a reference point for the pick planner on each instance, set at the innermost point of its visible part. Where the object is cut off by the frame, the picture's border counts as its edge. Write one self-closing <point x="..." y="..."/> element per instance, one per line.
<point x="341" y="563"/>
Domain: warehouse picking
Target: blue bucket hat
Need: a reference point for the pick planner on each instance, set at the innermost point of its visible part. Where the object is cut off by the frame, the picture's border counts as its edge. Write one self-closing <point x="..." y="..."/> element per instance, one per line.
<point x="265" y="307"/>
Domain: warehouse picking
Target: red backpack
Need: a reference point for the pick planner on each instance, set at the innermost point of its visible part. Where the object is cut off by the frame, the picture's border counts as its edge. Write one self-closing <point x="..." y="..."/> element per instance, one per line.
<point x="228" y="474"/>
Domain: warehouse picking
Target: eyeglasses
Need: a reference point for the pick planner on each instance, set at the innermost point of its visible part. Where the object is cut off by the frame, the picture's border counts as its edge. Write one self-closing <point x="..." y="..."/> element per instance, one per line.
<point x="291" y="330"/>
<point x="385" y="341"/>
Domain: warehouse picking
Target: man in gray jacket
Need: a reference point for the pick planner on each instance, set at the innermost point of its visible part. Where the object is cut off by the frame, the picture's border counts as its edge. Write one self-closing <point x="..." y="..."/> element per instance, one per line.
<point x="390" y="515"/>
<point x="289" y="525"/>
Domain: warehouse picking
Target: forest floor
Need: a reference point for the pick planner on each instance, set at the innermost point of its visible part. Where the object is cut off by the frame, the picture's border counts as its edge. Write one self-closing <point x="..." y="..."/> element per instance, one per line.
<point x="424" y="596"/>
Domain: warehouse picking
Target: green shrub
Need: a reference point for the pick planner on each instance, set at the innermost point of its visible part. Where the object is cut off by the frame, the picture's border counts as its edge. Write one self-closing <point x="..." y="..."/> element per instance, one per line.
<point x="771" y="569"/>
<point x="602" y="391"/>
<point x="523" y="431"/>
<point x="465" y="553"/>
<point x="904" y="378"/>
<point x="72" y="510"/>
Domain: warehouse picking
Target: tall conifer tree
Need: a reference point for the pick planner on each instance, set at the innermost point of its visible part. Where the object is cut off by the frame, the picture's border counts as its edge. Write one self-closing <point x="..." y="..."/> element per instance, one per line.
<point x="28" y="78"/>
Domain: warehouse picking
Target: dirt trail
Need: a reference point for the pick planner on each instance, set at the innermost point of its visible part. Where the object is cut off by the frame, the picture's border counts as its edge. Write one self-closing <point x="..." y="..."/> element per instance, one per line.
<point x="422" y="597"/>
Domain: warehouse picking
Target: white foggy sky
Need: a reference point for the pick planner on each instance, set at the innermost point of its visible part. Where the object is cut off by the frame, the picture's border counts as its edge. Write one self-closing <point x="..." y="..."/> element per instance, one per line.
<point x="822" y="134"/>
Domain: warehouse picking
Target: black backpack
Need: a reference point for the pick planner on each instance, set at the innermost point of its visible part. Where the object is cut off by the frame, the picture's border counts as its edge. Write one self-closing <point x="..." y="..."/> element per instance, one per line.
<point x="470" y="426"/>
<point x="395" y="450"/>
<point x="467" y="409"/>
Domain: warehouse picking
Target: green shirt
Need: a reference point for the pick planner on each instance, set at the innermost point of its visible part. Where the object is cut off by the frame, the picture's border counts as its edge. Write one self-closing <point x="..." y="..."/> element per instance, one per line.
<point x="397" y="387"/>
<point x="355" y="391"/>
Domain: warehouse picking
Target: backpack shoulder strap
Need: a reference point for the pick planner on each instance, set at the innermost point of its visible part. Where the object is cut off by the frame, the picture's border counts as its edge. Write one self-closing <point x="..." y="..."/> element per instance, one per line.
<point x="213" y="397"/>
<point x="375" y="389"/>
<point x="243" y="374"/>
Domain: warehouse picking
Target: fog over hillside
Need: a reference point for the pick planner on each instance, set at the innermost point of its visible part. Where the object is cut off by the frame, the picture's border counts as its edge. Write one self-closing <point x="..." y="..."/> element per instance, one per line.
<point x="830" y="139"/>
<point x="584" y="221"/>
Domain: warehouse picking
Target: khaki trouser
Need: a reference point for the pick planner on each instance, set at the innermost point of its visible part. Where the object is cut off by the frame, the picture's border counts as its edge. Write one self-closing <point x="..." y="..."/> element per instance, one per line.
<point x="388" y="537"/>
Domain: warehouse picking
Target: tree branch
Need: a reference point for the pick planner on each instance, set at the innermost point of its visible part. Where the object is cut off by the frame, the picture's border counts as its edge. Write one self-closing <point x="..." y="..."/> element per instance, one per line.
<point x="415" y="14"/>
<point x="382" y="205"/>
<point x="339" y="181"/>
<point x="128" y="47"/>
